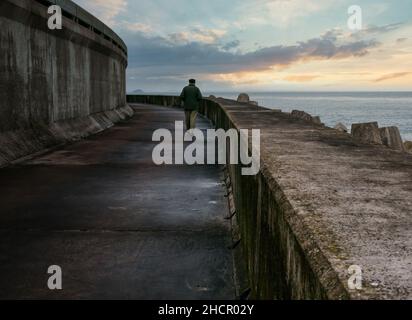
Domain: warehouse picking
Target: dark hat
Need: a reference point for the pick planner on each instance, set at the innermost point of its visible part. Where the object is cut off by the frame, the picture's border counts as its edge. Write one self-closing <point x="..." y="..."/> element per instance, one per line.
<point x="192" y="81"/>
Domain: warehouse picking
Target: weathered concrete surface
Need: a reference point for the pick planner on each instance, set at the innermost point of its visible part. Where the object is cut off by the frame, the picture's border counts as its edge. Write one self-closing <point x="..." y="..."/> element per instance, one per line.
<point x="119" y="226"/>
<point x="344" y="203"/>
<point x="17" y="144"/>
<point x="322" y="202"/>
<point x="341" y="127"/>
<point x="367" y="132"/>
<point x="243" y="98"/>
<point x="391" y="137"/>
<point x="408" y="146"/>
<point x="305" y="116"/>
<point x="51" y="76"/>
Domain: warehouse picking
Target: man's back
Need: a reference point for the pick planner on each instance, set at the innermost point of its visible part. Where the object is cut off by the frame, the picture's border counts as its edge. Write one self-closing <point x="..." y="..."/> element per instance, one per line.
<point x="191" y="96"/>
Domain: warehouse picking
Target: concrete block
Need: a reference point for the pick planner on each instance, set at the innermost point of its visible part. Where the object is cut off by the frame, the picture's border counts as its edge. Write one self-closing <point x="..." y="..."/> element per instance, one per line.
<point x="341" y="127"/>
<point x="408" y="146"/>
<point x="316" y="119"/>
<point x="243" y="98"/>
<point x="305" y="116"/>
<point x="367" y="132"/>
<point x="391" y="137"/>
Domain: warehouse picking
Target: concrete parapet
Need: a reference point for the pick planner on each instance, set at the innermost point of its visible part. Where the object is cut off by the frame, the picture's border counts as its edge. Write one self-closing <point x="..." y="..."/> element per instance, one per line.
<point x="21" y="143"/>
<point x="56" y="77"/>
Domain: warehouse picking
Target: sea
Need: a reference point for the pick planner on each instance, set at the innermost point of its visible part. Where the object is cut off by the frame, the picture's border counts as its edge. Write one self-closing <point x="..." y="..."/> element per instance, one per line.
<point x="387" y="108"/>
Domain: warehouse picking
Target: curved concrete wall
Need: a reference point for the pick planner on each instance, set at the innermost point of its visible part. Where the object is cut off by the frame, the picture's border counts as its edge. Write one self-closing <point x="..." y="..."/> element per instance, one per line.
<point x="322" y="202"/>
<point x="48" y="77"/>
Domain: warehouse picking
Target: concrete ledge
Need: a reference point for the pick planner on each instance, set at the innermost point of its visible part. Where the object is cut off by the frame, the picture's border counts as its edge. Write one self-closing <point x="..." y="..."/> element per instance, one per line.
<point x="21" y="143"/>
<point x="321" y="203"/>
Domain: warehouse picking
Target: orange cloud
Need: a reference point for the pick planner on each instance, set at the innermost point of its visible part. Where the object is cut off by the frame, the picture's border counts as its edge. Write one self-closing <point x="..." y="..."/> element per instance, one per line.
<point x="392" y="76"/>
<point x="300" y="78"/>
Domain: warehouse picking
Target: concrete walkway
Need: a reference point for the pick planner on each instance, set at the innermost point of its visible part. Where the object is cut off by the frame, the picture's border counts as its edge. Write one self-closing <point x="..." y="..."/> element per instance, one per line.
<point x="118" y="226"/>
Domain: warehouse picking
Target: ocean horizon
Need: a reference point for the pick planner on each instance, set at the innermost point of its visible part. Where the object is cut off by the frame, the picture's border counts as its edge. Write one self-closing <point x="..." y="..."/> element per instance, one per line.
<point x="388" y="108"/>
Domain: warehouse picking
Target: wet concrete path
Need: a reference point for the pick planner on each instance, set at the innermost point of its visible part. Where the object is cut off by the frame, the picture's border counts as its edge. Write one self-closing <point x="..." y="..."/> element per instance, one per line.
<point x="118" y="226"/>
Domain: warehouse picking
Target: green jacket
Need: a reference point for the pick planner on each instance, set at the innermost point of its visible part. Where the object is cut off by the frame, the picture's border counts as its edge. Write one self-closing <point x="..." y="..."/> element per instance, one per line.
<point x="191" y="96"/>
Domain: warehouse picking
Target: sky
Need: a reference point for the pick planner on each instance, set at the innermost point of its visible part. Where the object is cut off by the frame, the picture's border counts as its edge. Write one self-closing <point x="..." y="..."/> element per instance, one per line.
<point x="262" y="45"/>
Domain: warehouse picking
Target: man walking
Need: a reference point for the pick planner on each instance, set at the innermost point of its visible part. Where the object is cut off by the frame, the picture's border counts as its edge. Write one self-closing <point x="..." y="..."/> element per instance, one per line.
<point x="191" y="96"/>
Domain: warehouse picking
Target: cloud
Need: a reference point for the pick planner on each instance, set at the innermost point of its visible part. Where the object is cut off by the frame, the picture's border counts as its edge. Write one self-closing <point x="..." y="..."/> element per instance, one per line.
<point x="136" y="27"/>
<point x="300" y="78"/>
<point x="193" y="56"/>
<point x="247" y="39"/>
<point x="384" y="28"/>
<point x="338" y="34"/>
<point x="105" y="10"/>
<point x="280" y="13"/>
<point x="378" y="30"/>
<point x="391" y="76"/>
<point x="165" y="62"/>
<point x="231" y="45"/>
<point x="208" y="36"/>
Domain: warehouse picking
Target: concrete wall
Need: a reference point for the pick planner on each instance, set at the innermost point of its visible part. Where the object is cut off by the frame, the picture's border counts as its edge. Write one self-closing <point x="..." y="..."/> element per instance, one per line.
<point x="51" y="77"/>
<point x="321" y="203"/>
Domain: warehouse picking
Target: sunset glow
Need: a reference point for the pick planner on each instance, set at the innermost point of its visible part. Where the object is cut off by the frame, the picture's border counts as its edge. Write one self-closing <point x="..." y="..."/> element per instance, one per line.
<point x="281" y="45"/>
